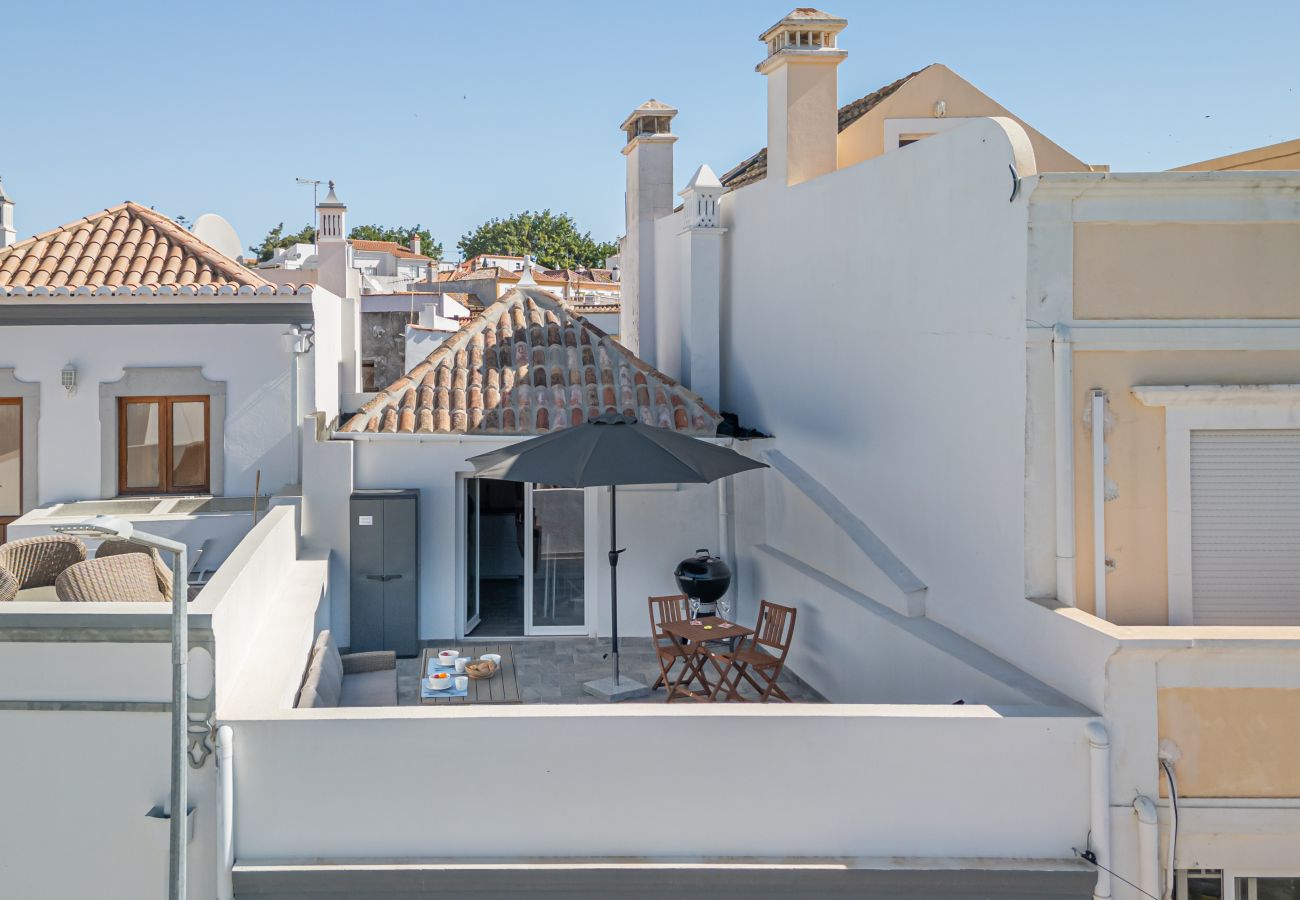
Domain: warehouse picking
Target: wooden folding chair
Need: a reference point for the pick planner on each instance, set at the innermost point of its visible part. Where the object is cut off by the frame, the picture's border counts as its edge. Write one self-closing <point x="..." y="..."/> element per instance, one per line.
<point x="671" y="608"/>
<point x="775" y="632"/>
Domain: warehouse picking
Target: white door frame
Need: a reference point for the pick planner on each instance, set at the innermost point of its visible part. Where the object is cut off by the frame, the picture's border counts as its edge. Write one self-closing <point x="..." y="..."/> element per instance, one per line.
<point x="590" y="542"/>
<point x="530" y="575"/>
<point x="1189" y="408"/>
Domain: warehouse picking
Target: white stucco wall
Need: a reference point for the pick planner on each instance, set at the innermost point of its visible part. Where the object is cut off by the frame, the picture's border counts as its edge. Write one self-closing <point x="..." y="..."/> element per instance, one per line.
<point x="903" y="389"/>
<point x="250" y="359"/>
<point x="855" y="781"/>
<point x="660" y="526"/>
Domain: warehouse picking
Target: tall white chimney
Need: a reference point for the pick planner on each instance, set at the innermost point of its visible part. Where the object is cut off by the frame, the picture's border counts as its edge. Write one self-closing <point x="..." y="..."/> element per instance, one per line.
<point x="415" y="244"/>
<point x="649" y="152"/>
<point x="336" y="274"/>
<point x="333" y="252"/>
<point x="802" y="95"/>
<point x="700" y="290"/>
<point x="7" y="233"/>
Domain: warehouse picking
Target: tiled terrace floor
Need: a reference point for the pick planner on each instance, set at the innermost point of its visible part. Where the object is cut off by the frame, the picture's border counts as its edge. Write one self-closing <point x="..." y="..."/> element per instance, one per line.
<point x="554" y="670"/>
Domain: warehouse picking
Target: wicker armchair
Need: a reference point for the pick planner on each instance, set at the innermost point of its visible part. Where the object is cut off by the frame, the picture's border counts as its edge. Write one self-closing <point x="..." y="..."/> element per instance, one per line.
<point x="37" y="561"/>
<point x="161" y="569"/>
<point x="124" y="578"/>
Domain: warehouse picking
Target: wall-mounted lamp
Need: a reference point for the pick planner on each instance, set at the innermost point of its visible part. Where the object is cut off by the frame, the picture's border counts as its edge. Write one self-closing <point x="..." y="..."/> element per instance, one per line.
<point x="68" y="378"/>
<point x="299" y="338"/>
<point x="940" y="109"/>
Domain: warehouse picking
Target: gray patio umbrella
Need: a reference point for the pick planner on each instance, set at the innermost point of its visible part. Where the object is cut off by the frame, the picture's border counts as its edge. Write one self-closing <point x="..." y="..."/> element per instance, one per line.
<point x="611" y="450"/>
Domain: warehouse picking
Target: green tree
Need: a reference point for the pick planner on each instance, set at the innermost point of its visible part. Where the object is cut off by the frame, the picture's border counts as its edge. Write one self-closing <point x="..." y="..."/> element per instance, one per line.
<point x="553" y="239"/>
<point x="276" y="238"/>
<point x="402" y="235"/>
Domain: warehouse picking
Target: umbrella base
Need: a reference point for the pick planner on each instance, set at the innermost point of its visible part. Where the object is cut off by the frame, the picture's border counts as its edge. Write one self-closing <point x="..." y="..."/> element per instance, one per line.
<point x="624" y="689"/>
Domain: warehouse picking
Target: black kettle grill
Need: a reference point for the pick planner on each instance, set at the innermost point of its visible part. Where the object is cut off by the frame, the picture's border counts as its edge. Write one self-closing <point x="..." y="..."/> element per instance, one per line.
<point x="704" y="579"/>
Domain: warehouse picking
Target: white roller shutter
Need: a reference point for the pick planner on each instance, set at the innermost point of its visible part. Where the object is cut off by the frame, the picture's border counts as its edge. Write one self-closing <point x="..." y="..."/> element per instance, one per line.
<point x="1245" y="527"/>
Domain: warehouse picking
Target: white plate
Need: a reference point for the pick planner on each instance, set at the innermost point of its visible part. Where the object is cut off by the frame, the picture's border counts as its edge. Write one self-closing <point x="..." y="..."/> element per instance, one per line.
<point x="439" y="684"/>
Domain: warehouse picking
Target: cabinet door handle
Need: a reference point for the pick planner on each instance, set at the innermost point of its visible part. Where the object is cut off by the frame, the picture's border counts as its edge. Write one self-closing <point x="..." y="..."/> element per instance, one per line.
<point x="383" y="577"/>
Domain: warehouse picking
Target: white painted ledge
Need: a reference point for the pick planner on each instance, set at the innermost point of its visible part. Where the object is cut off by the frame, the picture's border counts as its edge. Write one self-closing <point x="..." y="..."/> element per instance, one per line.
<point x="1218" y="395"/>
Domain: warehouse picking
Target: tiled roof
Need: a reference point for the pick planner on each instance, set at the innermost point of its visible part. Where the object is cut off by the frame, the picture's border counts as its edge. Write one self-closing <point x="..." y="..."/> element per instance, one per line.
<point x="578" y="276"/>
<point x="527" y="365"/>
<point x="755" y="168"/>
<point x="388" y="247"/>
<point x="127" y="246"/>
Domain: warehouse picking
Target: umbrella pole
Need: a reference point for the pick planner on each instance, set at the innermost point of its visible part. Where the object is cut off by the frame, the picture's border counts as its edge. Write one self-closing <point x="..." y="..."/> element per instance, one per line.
<point x="613" y="572"/>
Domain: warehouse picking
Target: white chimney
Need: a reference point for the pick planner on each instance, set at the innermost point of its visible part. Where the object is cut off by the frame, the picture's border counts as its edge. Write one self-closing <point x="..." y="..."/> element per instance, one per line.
<point x="700" y="290"/>
<point x="7" y="233"/>
<point x="649" y="152"/>
<point x="415" y="244"/>
<point x="802" y="95"/>
<point x="336" y="274"/>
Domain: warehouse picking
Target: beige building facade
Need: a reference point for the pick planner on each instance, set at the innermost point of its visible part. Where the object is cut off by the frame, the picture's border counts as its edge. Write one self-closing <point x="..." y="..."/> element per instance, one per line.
<point x="1189" y="286"/>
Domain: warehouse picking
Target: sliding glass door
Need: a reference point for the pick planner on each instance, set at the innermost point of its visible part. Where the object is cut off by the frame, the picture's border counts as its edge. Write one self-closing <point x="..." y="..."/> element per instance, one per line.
<point x="525" y="561"/>
<point x="556" y="601"/>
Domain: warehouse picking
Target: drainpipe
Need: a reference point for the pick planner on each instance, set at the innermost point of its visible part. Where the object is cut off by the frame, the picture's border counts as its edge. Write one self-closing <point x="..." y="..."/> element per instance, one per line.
<point x="1099" y="782"/>
<point x="225" y="813"/>
<point x="1063" y="379"/>
<point x="726" y="539"/>
<point x="1099" y="503"/>
<point x="1148" y="845"/>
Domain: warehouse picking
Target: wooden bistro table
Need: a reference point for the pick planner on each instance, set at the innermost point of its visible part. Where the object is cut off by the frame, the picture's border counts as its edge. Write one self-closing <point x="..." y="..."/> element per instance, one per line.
<point x="502" y="687"/>
<point x="695" y="633"/>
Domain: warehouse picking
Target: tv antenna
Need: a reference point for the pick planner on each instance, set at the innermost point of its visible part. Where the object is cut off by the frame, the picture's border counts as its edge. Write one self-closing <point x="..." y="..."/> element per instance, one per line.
<point x="315" y="186"/>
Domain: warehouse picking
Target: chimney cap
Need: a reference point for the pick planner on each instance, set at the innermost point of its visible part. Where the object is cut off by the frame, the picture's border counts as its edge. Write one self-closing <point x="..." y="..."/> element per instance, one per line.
<point x="652" y="108"/>
<point x="703" y="180"/>
<point x="331" y="200"/>
<point x="806" y="18"/>
<point x="3" y="195"/>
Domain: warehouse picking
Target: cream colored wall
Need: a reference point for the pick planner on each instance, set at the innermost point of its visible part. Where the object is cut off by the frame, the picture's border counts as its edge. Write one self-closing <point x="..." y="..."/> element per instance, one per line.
<point x="1235" y="742"/>
<point x="864" y="139"/>
<point x="1137" y="591"/>
<point x="1283" y="156"/>
<point x="1182" y="270"/>
<point x="810" y="111"/>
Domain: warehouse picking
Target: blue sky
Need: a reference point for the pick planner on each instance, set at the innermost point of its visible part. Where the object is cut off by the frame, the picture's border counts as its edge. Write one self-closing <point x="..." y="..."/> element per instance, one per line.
<point x="447" y="114"/>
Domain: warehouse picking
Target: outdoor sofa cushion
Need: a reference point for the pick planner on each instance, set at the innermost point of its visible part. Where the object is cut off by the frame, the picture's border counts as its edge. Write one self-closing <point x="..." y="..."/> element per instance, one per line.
<point x="46" y="593"/>
<point x="370" y="689"/>
<point x="358" y="679"/>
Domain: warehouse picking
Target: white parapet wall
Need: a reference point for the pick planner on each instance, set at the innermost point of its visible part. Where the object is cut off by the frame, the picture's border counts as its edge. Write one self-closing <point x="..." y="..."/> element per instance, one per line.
<point x="84" y="720"/>
<point x="575" y="781"/>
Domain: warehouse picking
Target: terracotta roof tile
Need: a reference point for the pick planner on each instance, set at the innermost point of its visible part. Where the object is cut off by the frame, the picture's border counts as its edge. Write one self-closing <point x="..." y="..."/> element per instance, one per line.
<point x="527" y="365"/>
<point x="755" y="168"/>
<point x="388" y="247"/>
<point x="125" y="246"/>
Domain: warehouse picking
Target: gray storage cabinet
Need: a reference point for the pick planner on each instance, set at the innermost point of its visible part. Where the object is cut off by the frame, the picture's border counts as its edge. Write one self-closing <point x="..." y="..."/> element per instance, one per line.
<point x="385" y="577"/>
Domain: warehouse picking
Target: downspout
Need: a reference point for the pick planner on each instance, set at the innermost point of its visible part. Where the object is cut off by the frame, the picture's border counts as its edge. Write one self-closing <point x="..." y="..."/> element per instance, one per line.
<point x="1099" y="790"/>
<point x="1099" y="503"/>
<point x="1063" y="380"/>
<point x="1148" y="845"/>
<point x="726" y="538"/>
<point x="225" y="813"/>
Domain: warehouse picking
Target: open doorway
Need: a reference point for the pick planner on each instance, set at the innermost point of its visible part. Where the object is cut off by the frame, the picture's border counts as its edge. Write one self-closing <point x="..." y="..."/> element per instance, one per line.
<point x="525" y="562"/>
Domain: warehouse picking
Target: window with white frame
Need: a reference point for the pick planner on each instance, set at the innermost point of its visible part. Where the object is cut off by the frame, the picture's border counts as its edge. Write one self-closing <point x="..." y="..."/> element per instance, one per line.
<point x="1221" y="884"/>
<point x="1233" y="493"/>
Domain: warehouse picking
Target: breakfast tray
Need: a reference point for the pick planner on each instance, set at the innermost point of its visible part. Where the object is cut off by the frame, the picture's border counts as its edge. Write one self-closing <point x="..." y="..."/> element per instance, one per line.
<point x="432" y="668"/>
<point x="500" y="688"/>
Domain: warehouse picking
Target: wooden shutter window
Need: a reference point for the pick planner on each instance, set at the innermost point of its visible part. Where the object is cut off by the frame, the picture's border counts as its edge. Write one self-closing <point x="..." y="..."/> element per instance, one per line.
<point x="163" y="445"/>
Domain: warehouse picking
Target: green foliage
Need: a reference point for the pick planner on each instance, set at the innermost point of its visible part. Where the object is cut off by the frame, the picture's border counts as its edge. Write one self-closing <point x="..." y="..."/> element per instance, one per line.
<point x="276" y="238"/>
<point x="402" y="235"/>
<point x="553" y="239"/>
